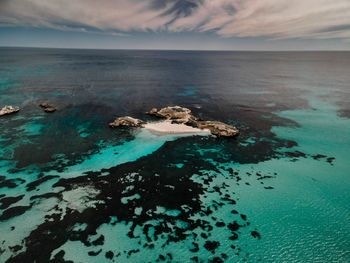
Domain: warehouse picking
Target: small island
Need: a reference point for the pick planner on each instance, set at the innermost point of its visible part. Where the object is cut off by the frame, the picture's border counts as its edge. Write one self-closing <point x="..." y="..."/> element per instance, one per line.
<point x="177" y="120"/>
<point x="9" y="110"/>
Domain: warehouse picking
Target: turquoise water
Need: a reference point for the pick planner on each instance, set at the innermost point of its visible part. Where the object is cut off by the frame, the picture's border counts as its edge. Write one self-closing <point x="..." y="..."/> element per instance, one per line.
<point x="73" y="189"/>
<point x="309" y="207"/>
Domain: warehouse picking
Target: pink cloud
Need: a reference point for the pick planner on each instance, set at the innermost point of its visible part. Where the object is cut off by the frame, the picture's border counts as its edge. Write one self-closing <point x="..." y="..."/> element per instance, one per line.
<point x="314" y="19"/>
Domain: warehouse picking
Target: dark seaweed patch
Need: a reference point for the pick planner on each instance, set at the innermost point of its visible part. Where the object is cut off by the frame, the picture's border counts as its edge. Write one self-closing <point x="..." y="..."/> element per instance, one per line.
<point x="16" y="248"/>
<point x="318" y="156"/>
<point x="195" y="247"/>
<point x="244" y="217"/>
<point x="194" y="259"/>
<point x="211" y="246"/>
<point x="233" y="226"/>
<point x="133" y="251"/>
<point x="7" y="201"/>
<point x="234" y="236"/>
<point x="32" y="186"/>
<point x="13" y="211"/>
<point x="216" y="260"/>
<point x="296" y="154"/>
<point x="321" y="156"/>
<point x="220" y="224"/>
<point x="46" y="196"/>
<point x="256" y="234"/>
<point x="10" y="183"/>
<point x="94" y="253"/>
<point x="109" y="254"/>
<point x="330" y="160"/>
<point x="99" y="241"/>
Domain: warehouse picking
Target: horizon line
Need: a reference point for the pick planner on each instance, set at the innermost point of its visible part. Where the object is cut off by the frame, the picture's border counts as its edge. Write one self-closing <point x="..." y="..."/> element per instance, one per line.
<point x="165" y="49"/>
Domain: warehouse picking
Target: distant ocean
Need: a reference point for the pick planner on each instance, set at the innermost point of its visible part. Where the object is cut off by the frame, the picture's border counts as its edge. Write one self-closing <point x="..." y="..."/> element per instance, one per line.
<point x="74" y="190"/>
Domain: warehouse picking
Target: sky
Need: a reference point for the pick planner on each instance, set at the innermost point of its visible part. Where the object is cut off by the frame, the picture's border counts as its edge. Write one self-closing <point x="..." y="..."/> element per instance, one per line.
<point x="177" y="24"/>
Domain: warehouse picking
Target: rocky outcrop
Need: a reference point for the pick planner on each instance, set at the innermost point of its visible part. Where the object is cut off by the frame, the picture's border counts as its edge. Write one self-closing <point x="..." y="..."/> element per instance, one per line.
<point x="126" y="121"/>
<point x="218" y="128"/>
<point x="175" y="113"/>
<point x="9" y="110"/>
<point x="47" y="107"/>
<point x="183" y="115"/>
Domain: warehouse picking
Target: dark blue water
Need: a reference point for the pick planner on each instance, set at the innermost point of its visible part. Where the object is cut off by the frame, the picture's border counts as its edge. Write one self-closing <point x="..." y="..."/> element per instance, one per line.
<point x="73" y="189"/>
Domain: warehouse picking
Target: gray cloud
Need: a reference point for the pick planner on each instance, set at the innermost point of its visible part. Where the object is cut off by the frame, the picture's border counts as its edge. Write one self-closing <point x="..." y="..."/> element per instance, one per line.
<point x="275" y="19"/>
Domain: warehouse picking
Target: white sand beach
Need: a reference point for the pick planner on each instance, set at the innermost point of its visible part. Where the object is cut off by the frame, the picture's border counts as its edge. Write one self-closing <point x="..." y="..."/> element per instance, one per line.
<point x="171" y="128"/>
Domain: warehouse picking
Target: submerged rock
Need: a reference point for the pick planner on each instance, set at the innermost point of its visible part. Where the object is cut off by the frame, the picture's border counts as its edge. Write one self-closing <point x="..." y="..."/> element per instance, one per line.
<point x="9" y="110"/>
<point x="126" y="121"/>
<point x="47" y="107"/>
<point x="218" y="128"/>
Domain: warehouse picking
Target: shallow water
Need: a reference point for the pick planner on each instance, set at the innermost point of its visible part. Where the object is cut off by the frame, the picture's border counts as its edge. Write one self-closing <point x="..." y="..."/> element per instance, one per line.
<point x="71" y="188"/>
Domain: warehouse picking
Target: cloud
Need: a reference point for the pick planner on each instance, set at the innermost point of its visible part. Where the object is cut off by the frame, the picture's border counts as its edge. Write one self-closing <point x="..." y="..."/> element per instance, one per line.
<point x="275" y="19"/>
<point x="288" y="19"/>
<point x="120" y="15"/>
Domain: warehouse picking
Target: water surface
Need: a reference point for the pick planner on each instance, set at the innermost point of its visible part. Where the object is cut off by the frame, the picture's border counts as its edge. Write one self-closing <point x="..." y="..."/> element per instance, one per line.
<point x="72" y="189"/>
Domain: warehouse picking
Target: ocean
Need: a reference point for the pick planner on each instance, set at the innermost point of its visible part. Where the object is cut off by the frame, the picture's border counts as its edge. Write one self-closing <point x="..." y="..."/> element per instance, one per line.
<point x="74" y="190"/>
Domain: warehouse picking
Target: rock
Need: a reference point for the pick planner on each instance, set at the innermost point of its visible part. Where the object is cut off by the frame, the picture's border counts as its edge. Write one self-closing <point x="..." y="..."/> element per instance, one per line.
<point x="218" y="128"/>
<point x="44" y="105"/>
<point x="9" y="110"/>
<point x="47" y="107"/>
<point x="153" y="111"/>
<point x="176" y="113"/>
<point x="50" y="109"/>
<point x="126" y="121"/>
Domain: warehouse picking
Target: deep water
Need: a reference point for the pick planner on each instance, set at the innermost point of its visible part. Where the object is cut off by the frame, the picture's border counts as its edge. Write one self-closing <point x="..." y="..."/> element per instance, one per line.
<point x="74" y="190"/>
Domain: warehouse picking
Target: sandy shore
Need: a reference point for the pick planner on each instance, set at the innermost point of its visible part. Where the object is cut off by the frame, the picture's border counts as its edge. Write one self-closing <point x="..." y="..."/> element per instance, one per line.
<point x="168" y="127"/>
